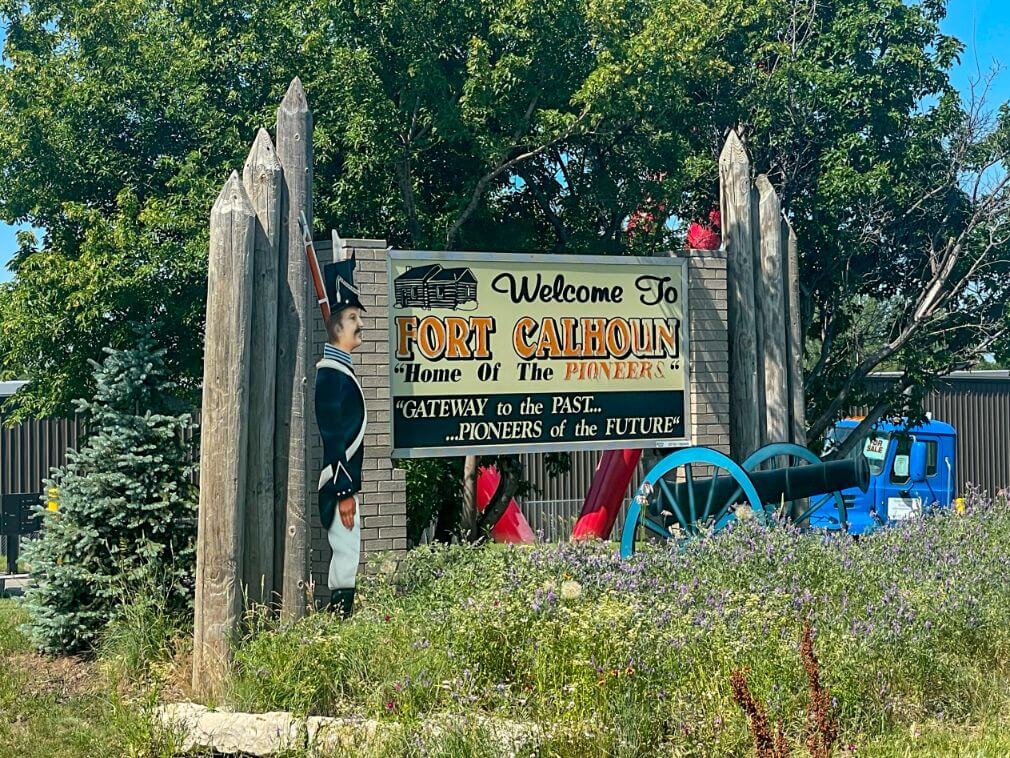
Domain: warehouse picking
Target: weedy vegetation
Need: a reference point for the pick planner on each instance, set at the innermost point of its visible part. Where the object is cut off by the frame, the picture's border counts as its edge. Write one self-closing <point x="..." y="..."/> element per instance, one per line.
<point x="899" y="637"/>
<point x="757" y="640"/>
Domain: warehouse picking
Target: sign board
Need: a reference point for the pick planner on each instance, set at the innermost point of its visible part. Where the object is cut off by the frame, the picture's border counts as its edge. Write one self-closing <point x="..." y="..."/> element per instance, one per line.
<point x="504" y="353"/>
<point x="903" y="508"/>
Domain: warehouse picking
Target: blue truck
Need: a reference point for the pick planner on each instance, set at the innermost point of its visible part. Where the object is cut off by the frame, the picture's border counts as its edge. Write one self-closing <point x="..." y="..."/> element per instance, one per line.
<point x="911" y="469"/>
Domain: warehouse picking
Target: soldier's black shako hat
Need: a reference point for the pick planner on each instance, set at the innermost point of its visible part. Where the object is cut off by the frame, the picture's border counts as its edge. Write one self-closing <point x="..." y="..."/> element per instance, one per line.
<point x="339" y="280"/>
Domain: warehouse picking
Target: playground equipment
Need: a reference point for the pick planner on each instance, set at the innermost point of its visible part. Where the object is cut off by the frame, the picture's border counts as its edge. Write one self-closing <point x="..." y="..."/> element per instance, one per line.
<point x="512" y="526"/>
<point x="606" y="494"/>
<point x="675" y="502"/>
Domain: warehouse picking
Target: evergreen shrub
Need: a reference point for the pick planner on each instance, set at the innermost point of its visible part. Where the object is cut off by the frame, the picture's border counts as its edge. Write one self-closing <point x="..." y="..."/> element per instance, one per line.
<point x="127" y="508"/>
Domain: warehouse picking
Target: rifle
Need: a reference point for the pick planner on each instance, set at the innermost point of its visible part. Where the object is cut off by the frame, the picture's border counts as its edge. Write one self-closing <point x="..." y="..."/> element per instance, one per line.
<point x="317" y="277"/>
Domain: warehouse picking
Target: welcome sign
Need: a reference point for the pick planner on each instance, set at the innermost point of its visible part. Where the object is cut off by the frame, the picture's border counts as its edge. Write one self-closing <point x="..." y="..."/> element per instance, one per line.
<point x="503" y="353"/>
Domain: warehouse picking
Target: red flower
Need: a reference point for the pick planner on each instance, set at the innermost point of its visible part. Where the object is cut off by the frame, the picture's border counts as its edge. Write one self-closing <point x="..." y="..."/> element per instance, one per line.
<point x="702" y="238"/>
<point x="639" y="221"/>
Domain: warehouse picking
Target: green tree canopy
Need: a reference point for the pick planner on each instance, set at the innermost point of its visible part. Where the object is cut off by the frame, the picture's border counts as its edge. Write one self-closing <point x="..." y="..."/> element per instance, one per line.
<point x="514" y="125"/>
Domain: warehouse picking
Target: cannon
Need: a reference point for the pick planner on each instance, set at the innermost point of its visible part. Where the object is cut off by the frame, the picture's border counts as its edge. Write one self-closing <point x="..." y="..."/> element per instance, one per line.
<point x="696" y="490"/>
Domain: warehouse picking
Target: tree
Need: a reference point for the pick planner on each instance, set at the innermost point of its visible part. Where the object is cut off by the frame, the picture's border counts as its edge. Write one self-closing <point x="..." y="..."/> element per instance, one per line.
<point x="898" y="194"/>
<point x="127" y="508"/>
<point x="515" y="126"/>
<point x="118" y="124"/>
<point x="437" y="124"/>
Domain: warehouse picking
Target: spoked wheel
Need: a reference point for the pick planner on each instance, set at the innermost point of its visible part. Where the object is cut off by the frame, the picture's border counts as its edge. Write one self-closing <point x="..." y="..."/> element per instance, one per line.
<point x="823" y="511"/>
<point x="686" y="493"/>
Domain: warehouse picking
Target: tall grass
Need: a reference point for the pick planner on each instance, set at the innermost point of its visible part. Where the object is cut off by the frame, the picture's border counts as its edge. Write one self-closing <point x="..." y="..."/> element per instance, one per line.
<point x="11" y="638"/>
<point x="911" y="626"/>
<point x="140" y="642"/>
<point x="65" y="707"/>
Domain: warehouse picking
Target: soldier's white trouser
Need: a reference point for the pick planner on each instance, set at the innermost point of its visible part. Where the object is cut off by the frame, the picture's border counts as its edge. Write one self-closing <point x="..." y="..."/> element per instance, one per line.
<point x="346" y="546"/>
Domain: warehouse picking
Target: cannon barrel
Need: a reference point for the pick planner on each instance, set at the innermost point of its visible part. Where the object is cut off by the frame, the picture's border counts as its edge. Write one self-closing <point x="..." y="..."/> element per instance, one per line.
<point x="798" y="482"/>
<point x="775" y="485"/>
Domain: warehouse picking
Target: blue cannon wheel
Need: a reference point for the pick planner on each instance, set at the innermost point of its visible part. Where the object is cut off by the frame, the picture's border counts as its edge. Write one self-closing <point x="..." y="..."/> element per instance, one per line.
<point x="691" y="516"/>
<point x="817" y="512"/>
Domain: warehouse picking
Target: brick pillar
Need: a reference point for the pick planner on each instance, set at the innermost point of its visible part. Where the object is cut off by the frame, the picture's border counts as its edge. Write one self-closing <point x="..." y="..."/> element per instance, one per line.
<point x="383" y="487"/>
<point x="709" y="349"/>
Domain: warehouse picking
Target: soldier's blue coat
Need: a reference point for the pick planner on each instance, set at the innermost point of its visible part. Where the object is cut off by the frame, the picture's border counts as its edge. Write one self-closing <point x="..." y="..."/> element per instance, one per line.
<point x="340" y="414"/>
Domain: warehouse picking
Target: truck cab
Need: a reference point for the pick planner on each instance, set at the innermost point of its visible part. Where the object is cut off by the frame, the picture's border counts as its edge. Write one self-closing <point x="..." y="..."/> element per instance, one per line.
<point x="911" y="470"/>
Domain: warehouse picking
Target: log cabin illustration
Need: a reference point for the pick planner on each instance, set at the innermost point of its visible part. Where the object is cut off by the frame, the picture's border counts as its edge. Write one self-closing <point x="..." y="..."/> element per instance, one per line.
<point x="435" y="287"/>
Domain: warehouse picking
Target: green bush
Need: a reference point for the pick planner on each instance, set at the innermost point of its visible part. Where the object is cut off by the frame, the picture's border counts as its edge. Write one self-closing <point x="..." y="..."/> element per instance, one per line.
<point x="434" y="491"/>
<point x="127" y="509"/>
<point x="911" y="625"/>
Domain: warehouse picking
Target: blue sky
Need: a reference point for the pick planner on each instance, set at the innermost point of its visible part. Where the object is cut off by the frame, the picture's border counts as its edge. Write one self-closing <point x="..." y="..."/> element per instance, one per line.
<point x="983" y="25"/>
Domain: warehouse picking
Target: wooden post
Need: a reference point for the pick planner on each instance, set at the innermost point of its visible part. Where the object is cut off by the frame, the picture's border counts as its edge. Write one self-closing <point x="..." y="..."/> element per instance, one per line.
<point x="223" y="447"/>
<point x="771" y="306"/>
<point x="797" y="400"/>
<point x="468" y="522"/>
<point x="291" y="477"/>
<point x="734" y="190"/>
<point x="759" y="334"/>
<point x="262" y="179"/>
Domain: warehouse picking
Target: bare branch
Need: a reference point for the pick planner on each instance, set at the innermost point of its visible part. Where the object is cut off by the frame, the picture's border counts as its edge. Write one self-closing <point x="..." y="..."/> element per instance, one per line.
<point x="560" y="230"/>
<point x="857" y="435"/>
<point x="502" y="166"/>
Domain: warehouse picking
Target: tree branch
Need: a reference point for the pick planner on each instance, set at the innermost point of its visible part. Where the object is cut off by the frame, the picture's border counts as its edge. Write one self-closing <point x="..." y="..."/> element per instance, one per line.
<point x="544" y="203"/>
<point x="405" y="182"/>
<point x="503" y="166"/>
<point x="863" y="428"/>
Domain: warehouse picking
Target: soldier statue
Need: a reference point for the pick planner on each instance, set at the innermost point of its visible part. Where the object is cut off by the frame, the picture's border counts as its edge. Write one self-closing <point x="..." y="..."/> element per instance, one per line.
<point x="341" y="417"/>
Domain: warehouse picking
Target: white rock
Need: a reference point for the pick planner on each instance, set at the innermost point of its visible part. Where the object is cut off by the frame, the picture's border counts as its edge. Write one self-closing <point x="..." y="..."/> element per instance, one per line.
<point x="258" y="734"/>
<point x="264" y="734"/>
<point x="509" y="738"/>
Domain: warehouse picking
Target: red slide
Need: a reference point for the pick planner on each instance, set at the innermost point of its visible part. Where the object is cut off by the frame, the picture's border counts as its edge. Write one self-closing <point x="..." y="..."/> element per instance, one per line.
<point x="512" y="526"/>
<point x="606" y="493"/>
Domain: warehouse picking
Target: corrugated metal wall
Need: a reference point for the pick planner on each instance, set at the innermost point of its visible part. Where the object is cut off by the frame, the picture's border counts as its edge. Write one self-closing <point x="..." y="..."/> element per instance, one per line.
<point x="29" y="449"/>
<point x="977" y="405"/>
<point x="554" y="506"/>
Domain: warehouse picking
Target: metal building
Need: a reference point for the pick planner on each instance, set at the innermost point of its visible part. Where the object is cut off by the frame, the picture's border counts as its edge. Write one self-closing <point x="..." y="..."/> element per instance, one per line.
<point x="28" y="451"/>
<point x="975" y="403"/>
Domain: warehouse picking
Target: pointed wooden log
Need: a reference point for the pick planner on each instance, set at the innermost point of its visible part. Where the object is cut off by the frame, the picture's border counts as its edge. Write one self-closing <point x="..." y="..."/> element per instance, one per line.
<point x="224" y="444"/>
<point x="795" y="345"/>
<point x="735" y="189"/>
<point x="770" y="298"/>
<point x="261" y="177"/>
<point x="759" y="334"/>
<point x="339" y="251"/>
<point x="294" y="328"/>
